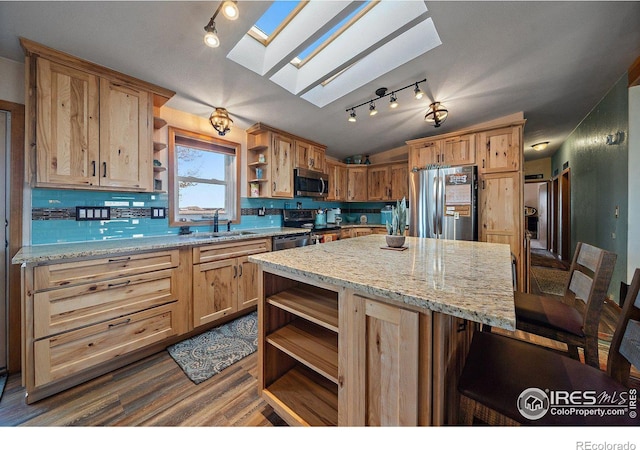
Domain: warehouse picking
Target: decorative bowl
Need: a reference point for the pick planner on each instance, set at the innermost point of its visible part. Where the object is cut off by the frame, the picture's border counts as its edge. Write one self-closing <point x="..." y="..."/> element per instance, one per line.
<point x="350" y="219"/>
<point x="395" y="241"/>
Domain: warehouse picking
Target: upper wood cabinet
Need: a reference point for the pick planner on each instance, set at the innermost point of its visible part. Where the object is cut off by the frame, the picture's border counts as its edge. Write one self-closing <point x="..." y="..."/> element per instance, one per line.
<point x="500" y="150"/>
<point x="357" y="184"/>
<point x="309" y="156"/>
<point x="450" y="151"/>
<point x="90" y="127"/>
<point x="388" y="182"/>
<point x="282" y="166"/>
<point x="337" y="172"/>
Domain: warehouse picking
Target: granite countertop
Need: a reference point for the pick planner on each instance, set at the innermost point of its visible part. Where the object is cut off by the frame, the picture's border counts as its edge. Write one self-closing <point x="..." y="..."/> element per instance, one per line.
<point x="54" y="252"/>
<point x="470" y="280"/>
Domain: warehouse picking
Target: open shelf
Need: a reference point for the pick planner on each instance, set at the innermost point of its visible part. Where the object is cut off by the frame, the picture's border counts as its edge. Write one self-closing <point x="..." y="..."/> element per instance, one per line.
<point x="314" y="304"/>
<point x="258" y="148"/>
<point x="159" y="169"/>
<point x="304" y="398"/>
<point x="157" y="146"/>
<point x="158" y="122"/>
<point x="312" y="345"/>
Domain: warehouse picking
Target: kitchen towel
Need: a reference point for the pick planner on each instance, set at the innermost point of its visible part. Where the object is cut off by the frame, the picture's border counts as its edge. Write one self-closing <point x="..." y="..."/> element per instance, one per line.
<point x="207" y="354"/>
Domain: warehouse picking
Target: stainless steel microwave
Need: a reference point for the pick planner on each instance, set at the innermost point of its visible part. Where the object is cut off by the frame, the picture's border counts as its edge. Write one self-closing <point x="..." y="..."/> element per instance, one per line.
<point x="309" y="183"/>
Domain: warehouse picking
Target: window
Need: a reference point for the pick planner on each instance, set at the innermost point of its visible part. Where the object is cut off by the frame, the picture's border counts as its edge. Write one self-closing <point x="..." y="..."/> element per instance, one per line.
<point x="203" y="178"/>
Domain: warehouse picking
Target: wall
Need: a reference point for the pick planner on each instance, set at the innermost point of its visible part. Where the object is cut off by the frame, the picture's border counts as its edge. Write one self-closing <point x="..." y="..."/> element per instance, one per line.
<point x="599" y="178"/>
<point x="538" y="167"/>
<point x="633" y="246"/>
<point x="11" y="81"/>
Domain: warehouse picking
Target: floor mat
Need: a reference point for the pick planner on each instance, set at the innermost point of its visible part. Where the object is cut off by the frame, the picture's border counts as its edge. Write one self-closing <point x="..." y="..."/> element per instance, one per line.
<point x="549" y="281"/>
<point x="207" y="354"/>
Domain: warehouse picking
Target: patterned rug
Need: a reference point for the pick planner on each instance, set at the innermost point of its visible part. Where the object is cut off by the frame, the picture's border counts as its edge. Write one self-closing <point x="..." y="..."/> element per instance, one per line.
<point x="207" y="354"/>
<point x="549" y="281"/>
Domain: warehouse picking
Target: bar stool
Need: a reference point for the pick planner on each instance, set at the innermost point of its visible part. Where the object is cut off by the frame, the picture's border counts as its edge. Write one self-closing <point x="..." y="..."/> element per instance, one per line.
<point x="505" y="380"/>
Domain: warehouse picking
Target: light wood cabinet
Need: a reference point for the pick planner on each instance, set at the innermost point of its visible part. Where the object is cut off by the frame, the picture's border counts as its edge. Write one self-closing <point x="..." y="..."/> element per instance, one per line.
<point x="450" y="151"/>
<point x="83" y="318"/>
<point x="309" y="156"/>
<point x="89" y="127"/>
<point x="224" y="281"/>
<point x="388" y="182"/>
<point x="357" y="190"/>
<point x="337" y="172"/>
<point x="282" y="153"/>
<point x="500" y="150"/>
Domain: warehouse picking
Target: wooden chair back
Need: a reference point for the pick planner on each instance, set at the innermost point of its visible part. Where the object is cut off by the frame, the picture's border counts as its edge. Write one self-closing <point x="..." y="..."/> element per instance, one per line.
<point x="589" y="278"/>
<point x="624" y="351"/>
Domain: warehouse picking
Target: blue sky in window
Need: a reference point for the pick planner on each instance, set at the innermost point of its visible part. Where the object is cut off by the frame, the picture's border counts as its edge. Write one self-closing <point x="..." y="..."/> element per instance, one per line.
<point x="274" y="16"/>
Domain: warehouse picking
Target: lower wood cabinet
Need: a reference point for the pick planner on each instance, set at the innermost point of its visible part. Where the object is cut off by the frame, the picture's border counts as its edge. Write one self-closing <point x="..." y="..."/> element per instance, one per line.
<point x="224" y="285"/>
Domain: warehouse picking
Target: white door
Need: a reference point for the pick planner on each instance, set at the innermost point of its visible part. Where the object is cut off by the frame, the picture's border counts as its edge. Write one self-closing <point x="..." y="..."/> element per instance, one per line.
<point x="5" y="127"/>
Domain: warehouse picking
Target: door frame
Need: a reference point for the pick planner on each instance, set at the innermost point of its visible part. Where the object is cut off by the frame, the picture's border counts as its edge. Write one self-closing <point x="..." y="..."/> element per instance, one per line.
<point x="564" y="215"/>
<point x="16" y="170"/>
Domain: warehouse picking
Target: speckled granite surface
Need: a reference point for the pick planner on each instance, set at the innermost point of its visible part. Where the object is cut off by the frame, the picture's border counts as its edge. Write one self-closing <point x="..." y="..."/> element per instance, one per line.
<point x="54" y="252"/>
<point x="471" y="280"/>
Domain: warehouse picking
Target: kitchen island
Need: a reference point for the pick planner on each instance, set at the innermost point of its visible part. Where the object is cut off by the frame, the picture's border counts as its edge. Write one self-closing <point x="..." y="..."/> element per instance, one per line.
<point x="353" y="333"/>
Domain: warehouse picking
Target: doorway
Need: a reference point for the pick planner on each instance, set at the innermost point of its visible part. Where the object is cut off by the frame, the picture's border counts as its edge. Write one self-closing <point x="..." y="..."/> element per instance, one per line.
<point x="561" y="215"/>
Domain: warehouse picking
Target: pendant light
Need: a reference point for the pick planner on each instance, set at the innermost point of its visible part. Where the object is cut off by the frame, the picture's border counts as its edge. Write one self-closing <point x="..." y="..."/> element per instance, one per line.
<point x="436" y="114"/>
<point x="220" y="121"/>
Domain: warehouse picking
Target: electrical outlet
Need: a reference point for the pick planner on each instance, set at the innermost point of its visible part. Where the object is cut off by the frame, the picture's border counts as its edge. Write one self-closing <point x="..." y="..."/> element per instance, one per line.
<point x="158" y="213"/>
<point x="262" y="211"/>
<point x="93" y="213"/>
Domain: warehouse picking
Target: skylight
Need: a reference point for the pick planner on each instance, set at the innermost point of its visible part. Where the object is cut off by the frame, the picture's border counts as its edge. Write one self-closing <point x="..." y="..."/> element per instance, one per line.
<point x="322" y="50"/>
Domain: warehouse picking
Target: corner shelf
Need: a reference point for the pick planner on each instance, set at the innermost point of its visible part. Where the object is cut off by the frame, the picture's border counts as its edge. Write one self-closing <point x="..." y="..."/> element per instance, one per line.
<point x="159" y="169"/>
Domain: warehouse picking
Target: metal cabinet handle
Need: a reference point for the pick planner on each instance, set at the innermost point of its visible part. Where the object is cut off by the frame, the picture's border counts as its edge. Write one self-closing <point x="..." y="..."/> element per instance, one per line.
<point x="128" y="258"/>
<point x="235" y="271"/>
<point x="124" y="322"/>
<point x="124" y="283"/>
<point x="93" y="163"/>
<point x="240" y="267"/>
<point x="104" y="167"/>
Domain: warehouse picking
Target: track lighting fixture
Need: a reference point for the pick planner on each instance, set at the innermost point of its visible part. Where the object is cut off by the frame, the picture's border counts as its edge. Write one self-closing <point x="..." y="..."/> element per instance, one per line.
<point x="393" y="103"/>
<point x="220" y="121"/>
<point x="436" y="115"/>
<point x="230" y="11"/>
<point x="382" y="93"/>
<point x="417" y="92"/>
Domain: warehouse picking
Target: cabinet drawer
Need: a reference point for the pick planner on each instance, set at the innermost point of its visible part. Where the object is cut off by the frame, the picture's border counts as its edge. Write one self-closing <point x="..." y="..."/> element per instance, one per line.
<point x="57" y="275"/>
<point x="69" y="353"/>
<point x="60" y="310"/>
<point x="216" y="252"/>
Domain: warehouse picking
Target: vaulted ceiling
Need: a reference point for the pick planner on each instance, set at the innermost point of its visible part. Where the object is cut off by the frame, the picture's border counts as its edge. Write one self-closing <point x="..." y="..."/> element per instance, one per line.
<point x="552" y="61"/>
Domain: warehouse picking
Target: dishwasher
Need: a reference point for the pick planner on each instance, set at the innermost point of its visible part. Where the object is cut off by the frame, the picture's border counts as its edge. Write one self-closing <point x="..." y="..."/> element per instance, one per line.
<point x="290" y="241"/>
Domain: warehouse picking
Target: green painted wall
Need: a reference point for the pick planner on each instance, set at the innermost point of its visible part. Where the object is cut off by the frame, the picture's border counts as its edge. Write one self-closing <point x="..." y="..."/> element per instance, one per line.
<point x="599" y="178"/>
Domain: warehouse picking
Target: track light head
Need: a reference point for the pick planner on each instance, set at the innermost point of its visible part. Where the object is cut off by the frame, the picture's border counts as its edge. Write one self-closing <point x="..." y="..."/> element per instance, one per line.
<point x="393" y="103"/>
<point x="352" y="116"/>
<point x="418" y="93"/>
<point x="211" y="38"/>
<point x="372" y="109"/>
<point x="230" y="10"/>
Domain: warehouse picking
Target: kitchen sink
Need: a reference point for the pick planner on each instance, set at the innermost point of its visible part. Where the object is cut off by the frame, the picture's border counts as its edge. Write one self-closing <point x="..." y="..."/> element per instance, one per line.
<point x="218" y="234"/>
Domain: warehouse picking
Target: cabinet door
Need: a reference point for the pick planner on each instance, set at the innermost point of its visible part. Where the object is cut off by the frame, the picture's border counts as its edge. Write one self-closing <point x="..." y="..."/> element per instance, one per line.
<point x="318" y="158"/>
<point x="125" y="138"/>
<point x="378" y="183"/>
<point x="500" y="150"/>
<point x="282" y="167"/>
<point x="501" y="211"/>
<point x="303" y="156"/>
<point x="459" y="151"/>
<point x="426" y="154"/>
<point x="380" y="346"/>
<point x="214" y="290"/>
<point x="399" y="181"/>
<point x="357" y="184"/>
<point x="332" y="193"/>
<point x="341" y="182"/>
<point x="247" y="283"/>
<point x="67" y="126"/>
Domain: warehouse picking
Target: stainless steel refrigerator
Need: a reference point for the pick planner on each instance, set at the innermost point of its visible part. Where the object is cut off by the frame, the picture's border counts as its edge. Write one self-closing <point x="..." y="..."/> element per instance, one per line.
<point x="443" y="203"/>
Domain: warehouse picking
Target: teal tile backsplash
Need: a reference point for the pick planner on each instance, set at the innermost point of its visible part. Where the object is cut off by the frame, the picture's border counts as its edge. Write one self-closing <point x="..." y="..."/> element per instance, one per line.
<point x="52" y="207"/>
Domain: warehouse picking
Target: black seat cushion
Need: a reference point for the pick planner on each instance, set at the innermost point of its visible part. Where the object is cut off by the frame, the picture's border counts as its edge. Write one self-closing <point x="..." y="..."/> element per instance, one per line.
<point x="548" y="312"/>
<point x="498" y="369"/>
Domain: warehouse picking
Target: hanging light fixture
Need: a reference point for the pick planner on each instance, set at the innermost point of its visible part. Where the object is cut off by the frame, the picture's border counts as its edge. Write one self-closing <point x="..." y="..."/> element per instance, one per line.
<point x="436" y="114"/>
<point x="417" y="92"/>
<point x="220" y="121"/>
<point x="540" y="146"/>
<point x="230" y="11"/>
<point x="382" y="93"/>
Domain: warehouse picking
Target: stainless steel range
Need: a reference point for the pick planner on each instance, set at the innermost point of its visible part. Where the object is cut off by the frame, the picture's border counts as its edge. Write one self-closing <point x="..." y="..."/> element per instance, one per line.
<point x="306" y="218"/>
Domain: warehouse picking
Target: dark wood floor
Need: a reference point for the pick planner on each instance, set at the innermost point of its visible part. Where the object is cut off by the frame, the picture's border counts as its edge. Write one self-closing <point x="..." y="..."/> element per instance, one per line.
<point x="156" y="392"/>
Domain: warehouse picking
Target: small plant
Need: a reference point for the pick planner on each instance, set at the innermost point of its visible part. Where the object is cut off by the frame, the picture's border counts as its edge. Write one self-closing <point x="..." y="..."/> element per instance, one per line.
<point x="399" y="218"/>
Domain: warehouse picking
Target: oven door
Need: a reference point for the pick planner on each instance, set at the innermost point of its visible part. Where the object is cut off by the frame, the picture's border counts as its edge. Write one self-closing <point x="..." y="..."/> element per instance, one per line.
<point x="308" y="183"/>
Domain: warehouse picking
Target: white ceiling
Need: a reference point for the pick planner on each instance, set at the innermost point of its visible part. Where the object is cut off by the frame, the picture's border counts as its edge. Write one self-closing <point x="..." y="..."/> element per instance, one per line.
<point x="553" y="61"/>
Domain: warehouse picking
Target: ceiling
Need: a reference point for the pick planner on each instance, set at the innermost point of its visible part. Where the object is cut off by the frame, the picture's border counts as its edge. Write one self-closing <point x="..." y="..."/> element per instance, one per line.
<point x="552" y="61"/>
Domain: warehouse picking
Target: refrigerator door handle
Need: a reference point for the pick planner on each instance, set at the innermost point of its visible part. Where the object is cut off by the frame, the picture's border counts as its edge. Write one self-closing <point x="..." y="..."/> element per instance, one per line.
<point x="434" y="206"/>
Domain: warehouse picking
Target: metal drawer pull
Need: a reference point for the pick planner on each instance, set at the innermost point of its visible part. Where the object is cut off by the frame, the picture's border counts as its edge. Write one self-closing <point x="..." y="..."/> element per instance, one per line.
<point x="124" y="322"/>
<point x="128" y="258"/>
<point x="124" y="283"/>
<point x="240" y="267"/>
